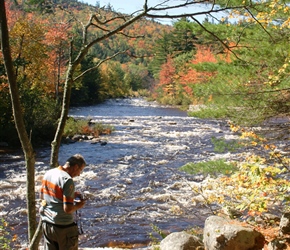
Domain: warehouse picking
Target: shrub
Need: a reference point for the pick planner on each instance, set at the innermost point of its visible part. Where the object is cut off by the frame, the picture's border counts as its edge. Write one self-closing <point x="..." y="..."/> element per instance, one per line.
<point x="85" y="127"/>
<point x="4" y="235"/>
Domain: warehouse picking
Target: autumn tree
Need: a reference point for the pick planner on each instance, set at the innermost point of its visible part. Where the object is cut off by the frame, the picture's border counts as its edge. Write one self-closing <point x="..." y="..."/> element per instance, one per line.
<point x="261" y="12"/>
<point x="19" y="121"/>
<point x="253" y="76"/>
<point x="167" y="79"/>
<point x="56" y="38"/>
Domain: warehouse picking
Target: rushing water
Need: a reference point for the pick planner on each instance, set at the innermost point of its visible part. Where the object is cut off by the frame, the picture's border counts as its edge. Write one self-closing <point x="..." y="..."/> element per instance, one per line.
<point x="133" y="182"/>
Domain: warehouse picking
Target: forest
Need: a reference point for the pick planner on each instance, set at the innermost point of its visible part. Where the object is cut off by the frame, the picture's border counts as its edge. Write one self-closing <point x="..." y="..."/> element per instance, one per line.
<point x="236" y="68"/>
<point x="65" y="53"/>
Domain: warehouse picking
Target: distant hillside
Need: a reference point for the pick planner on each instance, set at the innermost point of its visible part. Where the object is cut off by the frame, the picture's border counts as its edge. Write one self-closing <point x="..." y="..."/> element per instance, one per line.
<point x="139" y="38"/>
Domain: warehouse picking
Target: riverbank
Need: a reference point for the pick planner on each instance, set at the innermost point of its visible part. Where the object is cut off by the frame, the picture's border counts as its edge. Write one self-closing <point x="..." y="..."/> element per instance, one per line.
<point x="134" y="181"/>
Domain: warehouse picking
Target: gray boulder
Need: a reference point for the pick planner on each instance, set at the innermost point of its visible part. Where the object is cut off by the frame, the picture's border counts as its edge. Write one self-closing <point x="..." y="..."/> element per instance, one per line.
<point x="224" y="234"/>
<point x="285" y="224"/>
<point x="180" y="241"/>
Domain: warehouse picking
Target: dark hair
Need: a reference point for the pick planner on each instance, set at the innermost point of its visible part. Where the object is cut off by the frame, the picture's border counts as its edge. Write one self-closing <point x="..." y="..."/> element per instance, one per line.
<point x="76" y="159"/>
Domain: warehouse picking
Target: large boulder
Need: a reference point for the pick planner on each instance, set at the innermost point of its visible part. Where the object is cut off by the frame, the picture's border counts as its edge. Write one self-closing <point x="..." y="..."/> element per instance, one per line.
<point x="180" y="241"/>
<point x="225" y="234"/>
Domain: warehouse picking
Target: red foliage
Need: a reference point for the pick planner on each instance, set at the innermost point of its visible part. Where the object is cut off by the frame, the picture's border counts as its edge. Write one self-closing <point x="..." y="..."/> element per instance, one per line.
<point x="12" y="15"/>
<point x="171" y="81"/>
<point x="56" y="39"/>
<point x="166" y="76"/>
<point x="203" y="54"/>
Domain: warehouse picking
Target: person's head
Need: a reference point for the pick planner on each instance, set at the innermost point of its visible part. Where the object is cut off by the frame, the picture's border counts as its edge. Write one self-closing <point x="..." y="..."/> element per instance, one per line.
<point x="75" y="165"/>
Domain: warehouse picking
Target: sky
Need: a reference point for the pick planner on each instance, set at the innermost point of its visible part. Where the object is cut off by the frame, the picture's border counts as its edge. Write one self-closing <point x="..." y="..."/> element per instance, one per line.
<point x="123" y="6"/>
<point x="130" y="6"/>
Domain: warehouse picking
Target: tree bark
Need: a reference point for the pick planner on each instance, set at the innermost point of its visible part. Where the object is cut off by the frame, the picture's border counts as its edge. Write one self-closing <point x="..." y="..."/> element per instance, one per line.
<point x="19" y="122"/>
<point x="55" y="144"/>
<point x="37" y="237"/>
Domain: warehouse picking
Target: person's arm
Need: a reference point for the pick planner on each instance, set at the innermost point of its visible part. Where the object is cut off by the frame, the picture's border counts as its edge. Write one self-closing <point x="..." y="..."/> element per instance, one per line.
<point x="71" y="208"/>
<point x="69" y="195"/>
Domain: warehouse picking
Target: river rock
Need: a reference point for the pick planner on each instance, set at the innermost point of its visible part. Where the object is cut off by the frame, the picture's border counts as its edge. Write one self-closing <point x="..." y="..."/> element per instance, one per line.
<point x="285" y="224"/>
<point x="277" y="244"/>
<point x="180" y="241"/>
<point x="77" y="137"/>
<point x="224" y="234"/>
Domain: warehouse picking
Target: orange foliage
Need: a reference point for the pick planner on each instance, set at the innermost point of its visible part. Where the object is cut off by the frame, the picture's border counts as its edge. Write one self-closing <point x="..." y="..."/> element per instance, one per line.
<point x="203" y="54"/>
<point x="141" y="44"/>
<point x="170" y="80"/>
<point x="226" y="56"/>
<point x="56" y="38"/>
<point x="4" y="87"/>
<point x="166" y="76"/>
<point x="12" y="15"/>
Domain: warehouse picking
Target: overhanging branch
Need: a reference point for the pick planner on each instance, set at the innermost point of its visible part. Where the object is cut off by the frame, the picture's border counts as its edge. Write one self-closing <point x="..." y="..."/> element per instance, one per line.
<point x="99" y="64"/>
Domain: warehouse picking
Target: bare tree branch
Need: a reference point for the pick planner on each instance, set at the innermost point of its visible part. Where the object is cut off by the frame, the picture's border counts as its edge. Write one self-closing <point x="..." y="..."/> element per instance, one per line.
<point x="108" y="30"/>
<point x="98" y="65"/>
<point x="257" y="21"/>
<point x="219" y="39"/>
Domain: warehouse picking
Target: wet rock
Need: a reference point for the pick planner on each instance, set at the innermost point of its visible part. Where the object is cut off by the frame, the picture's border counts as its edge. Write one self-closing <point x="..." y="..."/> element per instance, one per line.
<point x="154" y="184"/>
<point x="163" y="197"/>
<point x="77" y="137"/>
<point x="271" y="217"/>
<point x="103" y="143"/>
<point x="128" y="157"/>
<point x="224" y="234"/>
<point x="95" y="140"/>
<point x="277" y="244"/>
<point x="68" y="140"/>
<point x="232" y="213"/>
<point x="128" y="181"/>
<point x="180" y="241"/>
<point x="176" y="186"/>
<point x="285" y="224"/>
<point x="145" y="190"/>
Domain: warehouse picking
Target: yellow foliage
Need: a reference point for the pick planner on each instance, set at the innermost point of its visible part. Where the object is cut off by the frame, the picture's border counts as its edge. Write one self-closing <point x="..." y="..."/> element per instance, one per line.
<point x="28" y="46"/>
<point x="234" y="128"/>
<point x="258" y="185"/>
<point x="15" y="237"/>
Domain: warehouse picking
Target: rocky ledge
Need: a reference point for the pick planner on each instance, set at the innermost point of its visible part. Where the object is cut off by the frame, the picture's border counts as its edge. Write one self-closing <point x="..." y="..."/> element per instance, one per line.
<point x="226" y="234"/>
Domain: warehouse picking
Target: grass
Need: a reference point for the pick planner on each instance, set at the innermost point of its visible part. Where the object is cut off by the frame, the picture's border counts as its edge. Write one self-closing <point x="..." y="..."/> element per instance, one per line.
<point x="221" y="145"/>
<point x="210" y="167"/>
<point x="209" y="112"/>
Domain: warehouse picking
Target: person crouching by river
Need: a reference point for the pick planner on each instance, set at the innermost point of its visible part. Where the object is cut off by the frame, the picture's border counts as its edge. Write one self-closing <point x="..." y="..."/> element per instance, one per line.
<point x="58" y="205"/>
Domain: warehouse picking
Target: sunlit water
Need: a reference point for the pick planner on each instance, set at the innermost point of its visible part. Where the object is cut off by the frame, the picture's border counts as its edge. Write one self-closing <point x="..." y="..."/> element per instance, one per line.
<point x="133" y="182"/>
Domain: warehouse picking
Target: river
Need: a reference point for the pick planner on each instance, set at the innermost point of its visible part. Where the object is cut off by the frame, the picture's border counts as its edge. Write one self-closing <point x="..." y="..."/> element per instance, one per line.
<point x="133" y="181"/>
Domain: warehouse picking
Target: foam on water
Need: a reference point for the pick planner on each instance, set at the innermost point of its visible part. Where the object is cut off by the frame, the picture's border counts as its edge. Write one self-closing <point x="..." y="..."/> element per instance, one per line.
<point x="133" y="182"/>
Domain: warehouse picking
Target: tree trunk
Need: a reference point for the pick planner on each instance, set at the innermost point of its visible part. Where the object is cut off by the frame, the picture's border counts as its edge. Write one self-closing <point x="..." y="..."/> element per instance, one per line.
<point x="55" y="145"/>
<point x="36" y="238"/>
<point x="19" y="122"/>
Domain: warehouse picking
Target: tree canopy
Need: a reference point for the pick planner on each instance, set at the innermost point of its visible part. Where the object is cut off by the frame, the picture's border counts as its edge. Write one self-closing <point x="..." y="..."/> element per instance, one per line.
<point x="236" y="65"/>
